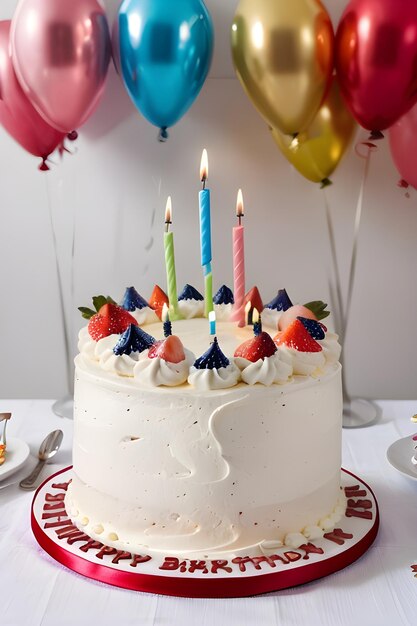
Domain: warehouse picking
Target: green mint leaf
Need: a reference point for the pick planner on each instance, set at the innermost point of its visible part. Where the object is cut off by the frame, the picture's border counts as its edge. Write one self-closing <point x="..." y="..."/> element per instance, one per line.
<point x="86" y="312"/>
<point x="318" y="308"/>
<point x="99" y="301"/>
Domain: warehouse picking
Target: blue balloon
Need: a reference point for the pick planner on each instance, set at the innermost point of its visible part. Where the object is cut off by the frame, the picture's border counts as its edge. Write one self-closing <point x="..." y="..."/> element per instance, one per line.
<point x="165" y="48"/>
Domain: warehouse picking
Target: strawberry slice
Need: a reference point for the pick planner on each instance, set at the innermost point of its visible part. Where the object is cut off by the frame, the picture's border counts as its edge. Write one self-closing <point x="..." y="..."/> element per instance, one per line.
<point x="297" y="336"/>
<point x="254" y="297"/>
<point x="170" y="349"/>
<point x="110" y="320"/>
<point x="260" y="347"/>
<point x="158" y="299"/>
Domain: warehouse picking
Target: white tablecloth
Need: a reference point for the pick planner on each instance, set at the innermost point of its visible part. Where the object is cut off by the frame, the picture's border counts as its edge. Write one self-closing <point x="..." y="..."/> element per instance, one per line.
<point x="380" y="589"/>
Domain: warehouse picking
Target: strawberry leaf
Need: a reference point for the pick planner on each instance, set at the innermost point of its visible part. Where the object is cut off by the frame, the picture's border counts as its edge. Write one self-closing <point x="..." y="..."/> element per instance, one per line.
<point x="318" y="308"/>
<point x="99" y="301"/>
<point x="86" y="312"/>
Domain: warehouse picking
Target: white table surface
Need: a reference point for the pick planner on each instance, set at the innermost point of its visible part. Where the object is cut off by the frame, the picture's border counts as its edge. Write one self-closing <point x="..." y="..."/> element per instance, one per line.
<point x="380" y="589"/>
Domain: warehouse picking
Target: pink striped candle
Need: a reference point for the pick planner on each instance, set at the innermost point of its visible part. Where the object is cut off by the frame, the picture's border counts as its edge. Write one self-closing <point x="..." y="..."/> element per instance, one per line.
<point x="239" y="264"/>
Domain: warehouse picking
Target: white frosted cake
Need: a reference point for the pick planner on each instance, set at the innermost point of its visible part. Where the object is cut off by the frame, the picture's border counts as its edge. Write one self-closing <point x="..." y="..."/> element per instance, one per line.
<point x="195" y="445"/>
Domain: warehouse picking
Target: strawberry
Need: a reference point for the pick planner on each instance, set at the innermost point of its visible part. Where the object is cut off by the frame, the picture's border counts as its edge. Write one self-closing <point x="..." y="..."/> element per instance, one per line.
<point x="260" y="347"/>
<point x="291" y="314"/>
<point x="157" y="300"/>
<point x="110" y="320"/>
<point x="296" y="336"/>
<point x="170" y="349"/>
<point x="254" y="297"/>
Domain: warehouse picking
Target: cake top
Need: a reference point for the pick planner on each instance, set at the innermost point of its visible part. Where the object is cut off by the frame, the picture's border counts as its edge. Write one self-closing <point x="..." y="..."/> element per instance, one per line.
<point x="143" y="344"/>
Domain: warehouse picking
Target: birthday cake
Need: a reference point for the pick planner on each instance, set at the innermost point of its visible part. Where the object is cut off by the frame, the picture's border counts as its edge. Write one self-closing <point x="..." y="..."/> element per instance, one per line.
<point x="204" y="438"/>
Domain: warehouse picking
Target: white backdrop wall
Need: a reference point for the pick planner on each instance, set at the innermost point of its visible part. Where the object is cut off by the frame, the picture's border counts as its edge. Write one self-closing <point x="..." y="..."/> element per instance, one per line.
<point x="112" y="192"/>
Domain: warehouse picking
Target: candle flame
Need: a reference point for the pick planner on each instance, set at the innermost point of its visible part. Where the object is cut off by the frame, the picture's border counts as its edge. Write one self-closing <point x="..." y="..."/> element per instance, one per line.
<point x="247" y="311"/>
<point x="204" y="166"/>
<point x="239" y="204"/>
<point x="165" y="313"/>
<point x="255" y="316"/>
<point x="168" y="211"/>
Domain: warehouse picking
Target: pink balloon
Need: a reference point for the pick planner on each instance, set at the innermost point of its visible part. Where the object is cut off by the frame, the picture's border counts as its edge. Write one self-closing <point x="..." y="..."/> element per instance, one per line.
<point x="403" y="144"/>
<point x="17" y="115"/>
<point x="376" y="60"/>
<point x="61" y="53"/>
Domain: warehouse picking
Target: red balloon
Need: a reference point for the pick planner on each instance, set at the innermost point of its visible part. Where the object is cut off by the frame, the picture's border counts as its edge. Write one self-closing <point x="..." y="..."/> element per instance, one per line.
<point x="403" y="144"/>
<point x="376" y="60"/>
<point x="17" y="115"/>
<point x="61" y="53"/>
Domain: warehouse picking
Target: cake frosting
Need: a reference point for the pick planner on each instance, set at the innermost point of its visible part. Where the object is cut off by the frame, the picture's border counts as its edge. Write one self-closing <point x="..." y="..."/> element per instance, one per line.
<point x="233" y="447"/>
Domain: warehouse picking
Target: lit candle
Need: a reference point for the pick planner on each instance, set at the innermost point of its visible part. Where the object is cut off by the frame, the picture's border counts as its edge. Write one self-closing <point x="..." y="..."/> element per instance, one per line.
<point x="166" y="321"/>
<point x="257" y="324"/>
<point x="239" y="263"/>
<point x="212" y="320"/>
<point x="205" y="235"/>
<point x="170" y="263"/>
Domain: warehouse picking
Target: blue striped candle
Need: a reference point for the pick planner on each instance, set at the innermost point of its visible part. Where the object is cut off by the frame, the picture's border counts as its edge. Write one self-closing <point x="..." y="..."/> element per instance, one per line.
<point x="205" y="234"/>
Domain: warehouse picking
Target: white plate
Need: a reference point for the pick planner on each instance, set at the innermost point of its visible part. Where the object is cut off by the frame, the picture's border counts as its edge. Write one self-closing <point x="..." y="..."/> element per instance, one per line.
<point x="399" y="454"/>
<point x="17" y="452"/>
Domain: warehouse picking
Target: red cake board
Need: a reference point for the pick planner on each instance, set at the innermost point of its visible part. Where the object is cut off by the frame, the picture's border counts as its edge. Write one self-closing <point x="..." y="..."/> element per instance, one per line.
<point x="230" y="576"/>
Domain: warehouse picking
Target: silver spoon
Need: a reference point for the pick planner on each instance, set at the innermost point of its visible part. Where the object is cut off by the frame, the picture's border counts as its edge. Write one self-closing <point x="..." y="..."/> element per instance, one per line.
<point x="48" y="448"/>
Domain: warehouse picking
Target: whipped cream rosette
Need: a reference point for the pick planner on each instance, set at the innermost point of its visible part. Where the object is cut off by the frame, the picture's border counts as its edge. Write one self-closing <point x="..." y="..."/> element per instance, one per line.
<point x="190" y="303"/>
<point x="167" y="363"/>
<point x="273" y="310"/>
<point x="138" y="307"/>
<point x="213" y="370"/>
<point x="223" y="302"/>
<point x="259" y="360"/>
<point x="296" y="344"/>
<point x="331" y="347"/>
<point x="122" y="356"/>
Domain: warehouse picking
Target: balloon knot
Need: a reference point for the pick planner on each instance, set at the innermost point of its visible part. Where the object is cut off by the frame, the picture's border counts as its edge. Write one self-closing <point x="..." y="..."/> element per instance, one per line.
<point x="370" y="147"/>
<point x="43" y="167"/>
<point x="326" y="182"/>
<point x="163" y="134"/>
<point x="403" y="184"/>
<point x="376" y="135"/>
<point x="73" y="135"/>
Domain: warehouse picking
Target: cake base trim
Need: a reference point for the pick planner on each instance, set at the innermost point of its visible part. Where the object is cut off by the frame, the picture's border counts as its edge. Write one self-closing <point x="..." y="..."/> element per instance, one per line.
<point x="235" y="577"/>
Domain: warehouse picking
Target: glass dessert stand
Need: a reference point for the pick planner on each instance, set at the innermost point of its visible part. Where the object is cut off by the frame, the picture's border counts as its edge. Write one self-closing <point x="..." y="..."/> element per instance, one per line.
<point x="64" y="407"/>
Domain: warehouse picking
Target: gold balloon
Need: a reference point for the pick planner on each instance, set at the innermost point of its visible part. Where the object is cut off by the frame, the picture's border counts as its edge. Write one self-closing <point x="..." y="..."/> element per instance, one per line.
<point x="317" y="151"/>
<point x="283" y="56"/>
